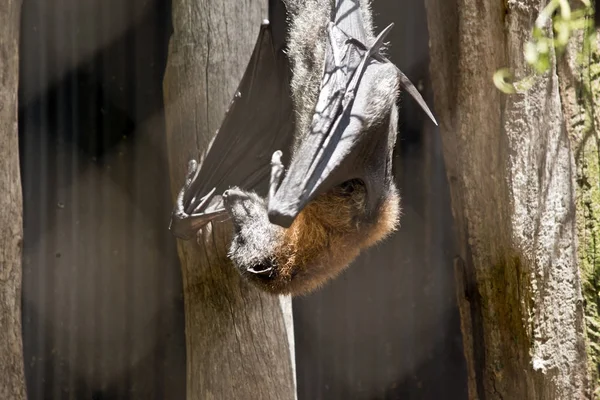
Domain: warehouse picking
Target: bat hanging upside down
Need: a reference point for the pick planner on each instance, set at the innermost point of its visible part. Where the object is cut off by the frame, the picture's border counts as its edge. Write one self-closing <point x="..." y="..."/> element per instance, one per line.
<point x="317" y="84"/>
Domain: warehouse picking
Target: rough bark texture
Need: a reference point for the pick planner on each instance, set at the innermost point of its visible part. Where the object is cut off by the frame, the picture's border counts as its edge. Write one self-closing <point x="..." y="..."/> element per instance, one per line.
<point x="580" y="93"/>
<point x="12" y="380"/>
<point x="238" y="341"/>
<point x="512" y="180"/>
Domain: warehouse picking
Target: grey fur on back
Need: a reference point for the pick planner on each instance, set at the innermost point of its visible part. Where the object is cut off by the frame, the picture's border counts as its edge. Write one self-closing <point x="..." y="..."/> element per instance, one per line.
<point x="306" y="50"/>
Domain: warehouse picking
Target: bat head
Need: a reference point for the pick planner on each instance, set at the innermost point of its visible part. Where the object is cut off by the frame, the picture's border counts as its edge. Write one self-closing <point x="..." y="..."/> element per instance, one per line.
<point x="324" y="239"/>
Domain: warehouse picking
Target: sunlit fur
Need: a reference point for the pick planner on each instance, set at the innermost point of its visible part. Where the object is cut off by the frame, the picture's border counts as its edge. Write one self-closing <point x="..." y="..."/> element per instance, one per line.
<point x="327" y="236"/>
<point x="323" y="240"/>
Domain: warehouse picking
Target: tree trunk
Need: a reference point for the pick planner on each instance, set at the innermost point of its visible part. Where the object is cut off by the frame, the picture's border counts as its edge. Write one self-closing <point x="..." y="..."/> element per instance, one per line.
<point x="239" y="340"/>
<point x="512" y="180"/>
<point x="580" y="94"/>
<point x="12" y="380"/>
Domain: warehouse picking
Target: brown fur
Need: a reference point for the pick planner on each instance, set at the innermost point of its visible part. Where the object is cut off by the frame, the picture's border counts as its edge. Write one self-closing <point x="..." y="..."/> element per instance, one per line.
<point x="326" y="237"/>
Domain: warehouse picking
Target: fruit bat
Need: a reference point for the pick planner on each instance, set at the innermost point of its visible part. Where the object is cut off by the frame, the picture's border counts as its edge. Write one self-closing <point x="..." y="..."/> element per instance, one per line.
<point x="319" y="87"/>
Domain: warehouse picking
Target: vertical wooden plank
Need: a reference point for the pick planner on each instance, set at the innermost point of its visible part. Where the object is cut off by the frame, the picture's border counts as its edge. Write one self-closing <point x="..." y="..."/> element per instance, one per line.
<point x="237" y="341"/>
<point x="511" y="173"/>
<point x="12" y="380"/>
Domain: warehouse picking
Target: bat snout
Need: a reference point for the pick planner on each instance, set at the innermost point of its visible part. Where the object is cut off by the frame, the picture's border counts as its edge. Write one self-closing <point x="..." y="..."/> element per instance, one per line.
<point x="233" y="199"/>
<point x="242" y="206"/>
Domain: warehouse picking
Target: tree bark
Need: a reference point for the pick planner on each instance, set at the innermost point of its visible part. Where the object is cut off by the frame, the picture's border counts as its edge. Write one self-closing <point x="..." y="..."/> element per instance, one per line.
<point x="580" y="94"/>
<point x="239" y="340"/>
<point x="512" y="174"/>
<point x="12" y="379"/>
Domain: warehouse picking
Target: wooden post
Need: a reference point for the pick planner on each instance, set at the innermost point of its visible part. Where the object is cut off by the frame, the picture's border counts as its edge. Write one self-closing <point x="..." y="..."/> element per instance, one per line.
<point x="12" y="378"/>
<point x="580" y="98"/>
<point x="512" y="180"/>
<point x="239" y="340"/>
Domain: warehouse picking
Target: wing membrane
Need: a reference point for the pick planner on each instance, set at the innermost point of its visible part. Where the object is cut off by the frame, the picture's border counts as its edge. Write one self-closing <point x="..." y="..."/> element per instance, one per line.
<point x="258" y="122"/>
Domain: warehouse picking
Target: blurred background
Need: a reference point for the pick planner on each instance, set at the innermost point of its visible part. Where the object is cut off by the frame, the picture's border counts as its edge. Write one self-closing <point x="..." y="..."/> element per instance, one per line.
<point x="102" y="303"/>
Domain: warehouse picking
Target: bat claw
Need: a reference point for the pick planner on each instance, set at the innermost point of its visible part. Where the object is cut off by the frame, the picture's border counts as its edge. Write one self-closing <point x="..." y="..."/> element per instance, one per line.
<point x="276" y="165"/>
<point x="276" y="173"/>
<point x="276" y="157"/>
<point x="192" y="168"/>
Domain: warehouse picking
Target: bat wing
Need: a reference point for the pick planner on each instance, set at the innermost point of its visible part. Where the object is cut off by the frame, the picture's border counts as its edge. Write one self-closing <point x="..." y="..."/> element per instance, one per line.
<point x="336" y="147"/>
<point x="258" y="122"/>
<point x="348" y="18"/>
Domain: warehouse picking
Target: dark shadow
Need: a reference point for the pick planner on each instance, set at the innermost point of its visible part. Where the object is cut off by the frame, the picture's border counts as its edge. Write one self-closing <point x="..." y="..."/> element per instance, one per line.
<point x="102" y="304"/>
<point x="388" y="327"/>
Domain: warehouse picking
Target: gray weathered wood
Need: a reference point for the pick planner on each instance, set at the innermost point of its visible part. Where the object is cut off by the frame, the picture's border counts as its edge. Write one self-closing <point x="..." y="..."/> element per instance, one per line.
<point x="388" y="327"/>
<point x="102" y="304"/>
<point x="236" y="336"/>
<point x="580" y="98"/>
<point x="12" y="380"/>
<point x="512" y="181"/>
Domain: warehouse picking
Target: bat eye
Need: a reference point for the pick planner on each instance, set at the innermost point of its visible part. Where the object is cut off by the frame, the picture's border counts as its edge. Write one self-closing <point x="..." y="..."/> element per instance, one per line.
<point x="350" y="186"/>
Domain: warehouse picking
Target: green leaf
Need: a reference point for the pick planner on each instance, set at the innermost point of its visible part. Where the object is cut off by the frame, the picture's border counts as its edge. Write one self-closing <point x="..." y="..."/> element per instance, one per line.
<point x="500" y="80"/>
<point x="531" y="53"/>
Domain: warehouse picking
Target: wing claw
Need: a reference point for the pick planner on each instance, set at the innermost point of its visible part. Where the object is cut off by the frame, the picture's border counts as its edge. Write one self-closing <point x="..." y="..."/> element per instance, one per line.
<point x="185" y="225"/>
<point x="276" y="173"/>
